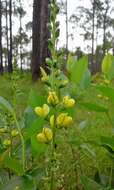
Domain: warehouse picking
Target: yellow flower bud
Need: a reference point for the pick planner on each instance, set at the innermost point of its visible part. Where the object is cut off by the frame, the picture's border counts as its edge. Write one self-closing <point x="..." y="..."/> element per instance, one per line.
<point x="14" y="133"/>
<point x="68" y="121"/>
<point x="52" y="121"/>
<point x="65" y="82"/>
<point x="44" y="77"/>
<point x="100" y="96"/>
<point x="3" y="130"/>
<point x="52" y="98"/>
<point x="106" y="81"/>
<point x="63" y="120"/>
<point x="17" y="188"/>
<point x="106" y="98"/>
<point x="7" y="142"/>
<point x="68" y="102"/>
<point x="41" y="137"/>
<point x="48" y="133"/>
<point x="42" y="111"/>
<point x="45" y="136"/>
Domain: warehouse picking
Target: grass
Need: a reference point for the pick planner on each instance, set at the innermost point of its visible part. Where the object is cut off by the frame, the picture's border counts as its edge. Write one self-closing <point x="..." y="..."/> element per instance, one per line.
<point x="89" y="126"/>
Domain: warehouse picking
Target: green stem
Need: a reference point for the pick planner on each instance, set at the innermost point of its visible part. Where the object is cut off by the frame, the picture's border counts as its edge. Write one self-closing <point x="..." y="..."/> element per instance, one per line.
<point x="52" y="160"/>
<point x="74" y="159"/>
<point x="109" y="118"/>
<point x="22" y="141"/>
<point x="110" y="177"/>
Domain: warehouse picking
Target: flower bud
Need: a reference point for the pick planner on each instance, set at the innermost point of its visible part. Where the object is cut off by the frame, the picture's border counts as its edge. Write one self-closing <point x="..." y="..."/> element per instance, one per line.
<point x="52" y="98"/>
<point x="14" y="133"/>
<point x="100" y="96"/>
<point x="52" y="121"/>
<point x="44" y="77"/>
<point x="42" y="111"/>
<point x="3" y="130"/>
<point x="63" y="120"/>
<point x="7" y="142"/>
<point x="68" y="102"/>
<point x="48" y="133"/>
<point x="45" y="136"/>
<point x="41" y="138"/>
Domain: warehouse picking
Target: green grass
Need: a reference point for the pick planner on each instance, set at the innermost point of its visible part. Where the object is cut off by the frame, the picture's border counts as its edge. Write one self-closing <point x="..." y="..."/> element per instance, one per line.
<point x="89" y="126"/>
<point x="24" y="84"/>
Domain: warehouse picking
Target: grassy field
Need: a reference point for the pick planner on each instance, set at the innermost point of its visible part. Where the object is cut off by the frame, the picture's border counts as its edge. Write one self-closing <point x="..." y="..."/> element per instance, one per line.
<point x="89" y="127"/>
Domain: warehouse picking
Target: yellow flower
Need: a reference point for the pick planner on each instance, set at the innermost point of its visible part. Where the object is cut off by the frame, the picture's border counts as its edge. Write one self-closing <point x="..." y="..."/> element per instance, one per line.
<point x="52" y="121"/>
<point x="7" y="142"/>
<point x="100" y="96"/>
<point x="63" y="120"/>
<point x="3" y="130"/>
<point x="14" y="133"/>
<point x="106" y="98"/>
<point x="65" y="82"/>
<point x="68" y="102"/>
<point x="42" y="111"/>
<point x="44" y="77"/>
<point x="41" y="138"/>
<point x="48" y="133"/>
<point x="45" y="136"/>
<point x="106" y="81"/>
<point x="53" y="98"/>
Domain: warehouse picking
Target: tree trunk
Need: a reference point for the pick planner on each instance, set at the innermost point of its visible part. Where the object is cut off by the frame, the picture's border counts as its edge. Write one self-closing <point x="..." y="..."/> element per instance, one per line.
<point x="104" y="29"/>
<point x="40" y="36"/>
<point x="1" y="60"/>
<point x="7" y="39"/>
<point x="20" y="33"/>
<point x="10" y="67"/>
<point x="93" y="32"/>
<point x="67" y="28"/>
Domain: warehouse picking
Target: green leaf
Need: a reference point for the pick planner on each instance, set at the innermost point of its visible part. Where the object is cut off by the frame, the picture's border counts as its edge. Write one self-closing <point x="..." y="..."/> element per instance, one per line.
<point x="107" y="91"/>
<point x="90" y="184"/>
<point x="88" y="150"/>
<point x="5" y="104"/>
<point x="14" y="165"/>
<point x="93" y="107"/>
<point x="107" y="140"/>
<point x="35" y="99"/>
<point x="111" y="72"/>
<point x="86" y="81"/>
<point x="23" y="183"/>
<point x="29" y="117"/>
<point x="70" y="62"/>
<point x="106" y="64"/>
<point x="79" y="69"/>
<point x="35" y="128"/>
<point x="37" y="147"/>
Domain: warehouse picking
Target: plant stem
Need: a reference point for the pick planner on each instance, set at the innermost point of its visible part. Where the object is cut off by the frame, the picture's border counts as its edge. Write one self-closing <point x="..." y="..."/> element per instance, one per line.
<point x="109" y="118"/>
<point x="22" y="141"/>
<point x="74" y="158"/>
<point x="110" y="177"/>
<point x="52" y="160"/>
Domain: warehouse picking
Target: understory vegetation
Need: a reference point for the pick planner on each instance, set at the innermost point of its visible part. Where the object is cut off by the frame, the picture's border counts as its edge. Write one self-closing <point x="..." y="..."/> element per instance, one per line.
<point x="58" y="134"/>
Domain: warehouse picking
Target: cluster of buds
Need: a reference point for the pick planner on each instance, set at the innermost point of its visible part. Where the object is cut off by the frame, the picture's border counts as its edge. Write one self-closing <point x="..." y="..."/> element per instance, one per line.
<point x="102" y="97"/>
<point x="62" y="120"/>
<point x="4" y="131"/>
<point x="44" y="77"/>
<point x="53" y="98"/>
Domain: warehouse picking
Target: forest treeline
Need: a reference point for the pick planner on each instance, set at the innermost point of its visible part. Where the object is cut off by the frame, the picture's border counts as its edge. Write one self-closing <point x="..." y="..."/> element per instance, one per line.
<point x="95" y="22"/>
